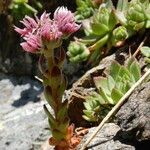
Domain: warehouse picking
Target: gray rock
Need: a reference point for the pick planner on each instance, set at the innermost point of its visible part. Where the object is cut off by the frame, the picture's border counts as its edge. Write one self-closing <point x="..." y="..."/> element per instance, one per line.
<point x="23" y="123"/>
<point x="105" y="140"/>
<point x="134" y="115"/>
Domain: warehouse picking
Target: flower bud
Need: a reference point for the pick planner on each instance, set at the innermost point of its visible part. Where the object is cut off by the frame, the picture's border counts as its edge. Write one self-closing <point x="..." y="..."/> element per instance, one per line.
<point x="66" y="21"/>
<point x="77" y="52"/>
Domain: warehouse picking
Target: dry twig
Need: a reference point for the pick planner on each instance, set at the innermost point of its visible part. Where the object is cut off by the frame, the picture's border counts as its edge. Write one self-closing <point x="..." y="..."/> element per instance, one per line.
<point x="138" y="49"/>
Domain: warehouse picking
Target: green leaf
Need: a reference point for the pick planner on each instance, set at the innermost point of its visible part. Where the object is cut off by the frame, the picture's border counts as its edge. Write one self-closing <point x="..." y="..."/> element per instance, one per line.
<point x="135" y="71"/>
<point x="51" y="118"/>
<point x="129" y="62"/>
<point x="145" y="50"/>
<point x="105" y="96"/>
<point x="124" y="71"/>
<point x="148" y="24"/>
<point x="112" y="21"/>
<point x="48" y="96"/>
<point x="110" y="82"/>
<point x="109" y="4"/>
<point x="121" y="17"/>
<point x="62" y="87"/>
<point x="101" y="82"/>
<point x="62" y="127"/>
<point x="55" y="77"/>
<point x="122" y="5"/>
<point x="88" y="113"/>
<point x="138" y="26"/>
<point x="116" y="95"/>
<point x="99" y="29"/>
<point x="87" y="105"/>
<point x="114" y="69"/>
<point x="88" y="39"/>
<point x="89" y="119"/>
<point x="58" y="135"/>
<point x="62" y="112"/>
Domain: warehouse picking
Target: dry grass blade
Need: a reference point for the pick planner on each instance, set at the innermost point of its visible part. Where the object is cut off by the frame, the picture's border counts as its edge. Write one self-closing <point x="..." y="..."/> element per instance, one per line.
<point x="138" y="49"/>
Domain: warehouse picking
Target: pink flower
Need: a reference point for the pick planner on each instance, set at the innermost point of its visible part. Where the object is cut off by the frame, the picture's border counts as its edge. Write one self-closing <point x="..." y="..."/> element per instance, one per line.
<point x="50" y="32"/>
<point x="29" y="23"/>
<point x="38" y="30"/>
<point x="32" y="44"/>
<point x="45" y="18"/>
<point x="31" y="32"/>
<point x="65" y="20"/>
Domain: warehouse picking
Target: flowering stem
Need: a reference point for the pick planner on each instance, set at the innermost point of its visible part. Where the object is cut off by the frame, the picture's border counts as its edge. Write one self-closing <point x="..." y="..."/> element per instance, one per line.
<point x="43" y="35"/>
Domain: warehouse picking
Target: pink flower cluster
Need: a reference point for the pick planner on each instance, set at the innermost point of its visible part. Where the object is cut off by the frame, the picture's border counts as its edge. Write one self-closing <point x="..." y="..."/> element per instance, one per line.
<point x="37" y="30"/>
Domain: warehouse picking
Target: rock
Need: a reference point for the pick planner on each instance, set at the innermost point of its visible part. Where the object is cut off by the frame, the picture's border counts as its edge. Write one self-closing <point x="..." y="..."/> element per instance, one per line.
<point x="105" y="139"/>
<point x="23" y="123"/>
<point x="134" y="115"/>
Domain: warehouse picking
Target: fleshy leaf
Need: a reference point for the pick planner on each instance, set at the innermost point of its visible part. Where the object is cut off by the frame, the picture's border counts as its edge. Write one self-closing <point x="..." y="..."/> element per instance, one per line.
<point x="50" y="117"/>
<point x="110" y="82"/>
<point x="145" y="51"/>
<point x="88" y="113"/>
<point x="112" y="21"/>
<point x="135" y="71"/>
<point x="87" y="105"/>
<point x="122" y="5"/>
<point x="99" y="29"/>
<point x="116" y="95"/>
<point x="88" y="119"/>
<point x="48" y="96"/>
<point x="55" y="77"/>
<point x="114" y="69"/>
<point x="62" y="112"/>
<point x="105" y="97"/>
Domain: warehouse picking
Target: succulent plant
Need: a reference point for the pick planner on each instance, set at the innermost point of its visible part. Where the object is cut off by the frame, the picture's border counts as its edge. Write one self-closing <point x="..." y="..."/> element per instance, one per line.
<point x="77" y="52"/>
<point x="110" y="27"/>
<point x="137" y="14"/>
<point x="20" y="8"/>
<point x="134" y="14"/>
<point x="119" y="34"/>
<point x="85" y="9"/>
<point x="110" y="89"/>
<point x="103" y="21"/>
<point x="145" y="50"/>
<point x="95" y="108"/>
<point x="44" y="39"/>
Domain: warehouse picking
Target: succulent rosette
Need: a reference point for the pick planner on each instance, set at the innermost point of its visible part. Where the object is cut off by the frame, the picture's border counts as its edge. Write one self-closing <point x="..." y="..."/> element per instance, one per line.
<point x="103" y="21"/>
<point x="137" y="15"/>
<point x="78" y="52"/>
<point x="119" y="35"/>
<point x="85" y="9"/>
<point x="110" y="89"/>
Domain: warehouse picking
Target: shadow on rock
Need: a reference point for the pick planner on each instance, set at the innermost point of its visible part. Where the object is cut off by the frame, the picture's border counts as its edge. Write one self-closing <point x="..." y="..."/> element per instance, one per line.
<point x="18" y="91"/>
<point x="30" y="94"/>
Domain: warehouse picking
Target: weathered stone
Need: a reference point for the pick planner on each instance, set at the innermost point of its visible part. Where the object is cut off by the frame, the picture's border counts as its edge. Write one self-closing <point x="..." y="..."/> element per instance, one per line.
<point x="23" y="123"/>
<point x="134" y="115"/>
<point x="105" y="139"/>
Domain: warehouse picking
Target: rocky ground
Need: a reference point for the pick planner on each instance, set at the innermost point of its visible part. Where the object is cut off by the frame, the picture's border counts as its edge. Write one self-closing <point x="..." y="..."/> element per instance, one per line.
<point x="23" y="124"/>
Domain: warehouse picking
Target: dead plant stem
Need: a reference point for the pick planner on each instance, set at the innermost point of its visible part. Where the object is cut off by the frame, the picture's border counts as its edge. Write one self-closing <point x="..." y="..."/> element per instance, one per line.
<point x="138" y="49"/>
